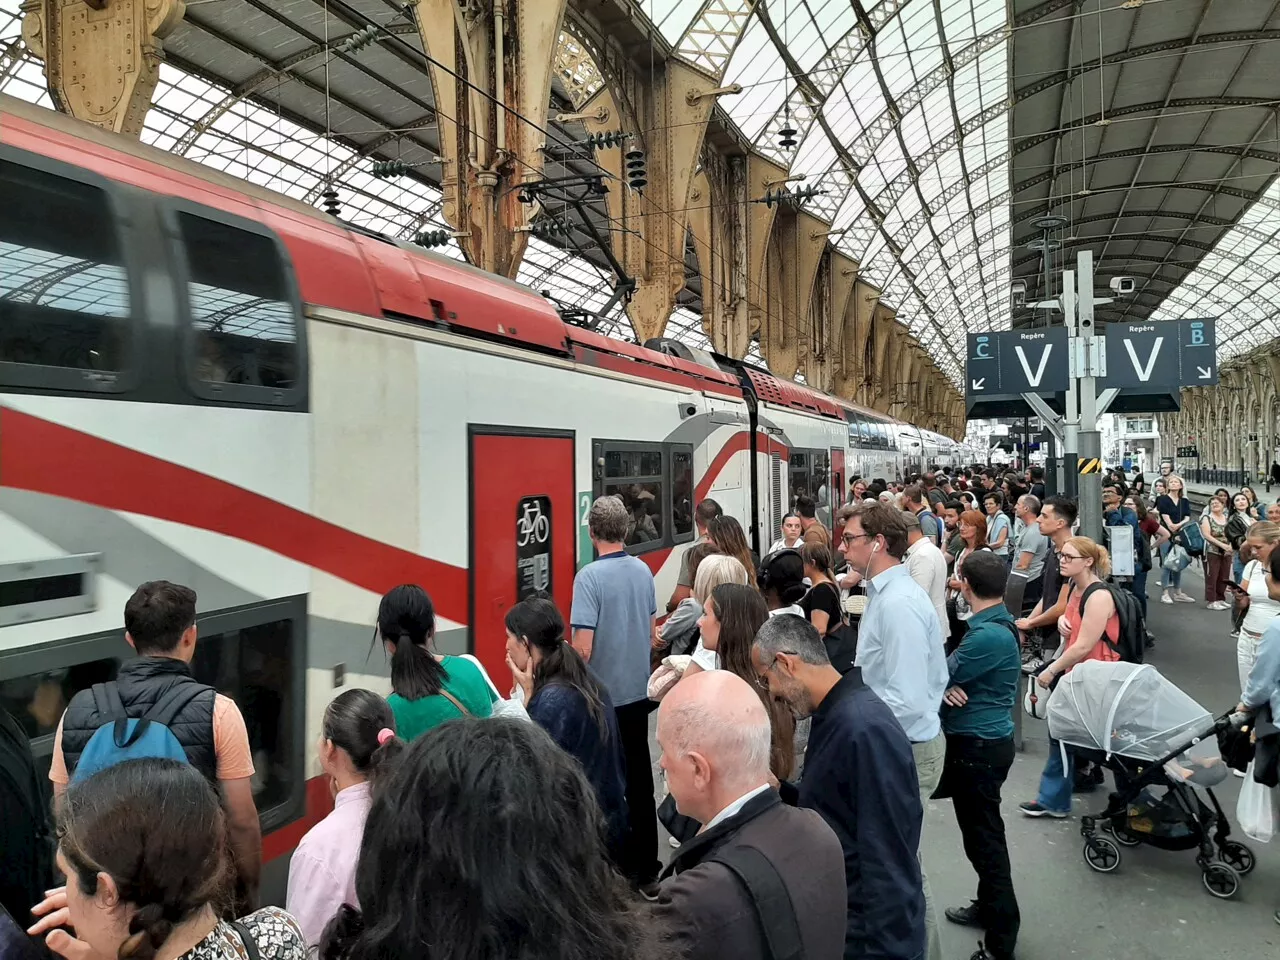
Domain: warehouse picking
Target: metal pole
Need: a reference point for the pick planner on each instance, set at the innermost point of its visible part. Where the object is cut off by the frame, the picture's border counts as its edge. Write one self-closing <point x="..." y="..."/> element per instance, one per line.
<point x="1070" y="416"/>
<point x="1090" y="489"/>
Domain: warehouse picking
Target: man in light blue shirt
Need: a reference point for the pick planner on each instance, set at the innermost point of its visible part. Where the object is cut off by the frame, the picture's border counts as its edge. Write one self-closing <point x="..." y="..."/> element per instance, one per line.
<point x="612" y="618"/>
<point x="900" y="651"/>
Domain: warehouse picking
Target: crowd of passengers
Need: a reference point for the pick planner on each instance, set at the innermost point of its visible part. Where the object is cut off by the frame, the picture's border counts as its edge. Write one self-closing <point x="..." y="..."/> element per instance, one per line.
<point x="808" y="704"/>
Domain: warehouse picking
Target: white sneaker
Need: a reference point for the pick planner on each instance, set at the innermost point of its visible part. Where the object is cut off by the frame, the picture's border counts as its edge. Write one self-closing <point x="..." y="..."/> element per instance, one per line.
<point x="1165" y="598"/>
<point x="1183" y="598"/>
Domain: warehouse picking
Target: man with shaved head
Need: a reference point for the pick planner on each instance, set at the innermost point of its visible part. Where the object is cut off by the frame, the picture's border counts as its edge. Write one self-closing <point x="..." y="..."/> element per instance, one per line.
<point x="760" y="875"/>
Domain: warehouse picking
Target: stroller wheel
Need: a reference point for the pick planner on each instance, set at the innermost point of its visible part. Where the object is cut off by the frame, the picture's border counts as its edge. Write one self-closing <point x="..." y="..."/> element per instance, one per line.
<point x="1237" y="856"/>
<point x="1101" y="854"/>
<point x="1220" y="880"/>
<point x="1122" y="835"/>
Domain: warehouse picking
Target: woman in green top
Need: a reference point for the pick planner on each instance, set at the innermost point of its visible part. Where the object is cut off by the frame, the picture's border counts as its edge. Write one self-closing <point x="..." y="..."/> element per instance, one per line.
<point x="427" y="688"/>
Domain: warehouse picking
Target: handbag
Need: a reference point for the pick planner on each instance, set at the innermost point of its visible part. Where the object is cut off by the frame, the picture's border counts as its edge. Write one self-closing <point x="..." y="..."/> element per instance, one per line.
<point x="511" y="709"/>
<point x="1177" y="559"/>
<point x="1191" y="538"/>
<point x="1254" y="811"/>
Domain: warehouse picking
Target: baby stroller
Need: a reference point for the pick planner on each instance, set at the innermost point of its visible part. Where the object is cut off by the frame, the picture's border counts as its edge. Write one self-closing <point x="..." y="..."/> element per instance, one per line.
<point x="1161" y="746"/>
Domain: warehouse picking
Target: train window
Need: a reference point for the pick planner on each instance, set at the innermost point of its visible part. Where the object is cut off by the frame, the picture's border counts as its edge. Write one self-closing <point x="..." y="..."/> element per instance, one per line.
<point x="253" y="665"/>
<point x="37" y="701"/>
<point x="822" y="485"/>
<point x="682" y="493"/>
<point x="800" y="475"/>
<point x="656" y="483"/>
<point x="637" y="476"/>
<point x="241" y="304"/>
<point x="64" y="289"/>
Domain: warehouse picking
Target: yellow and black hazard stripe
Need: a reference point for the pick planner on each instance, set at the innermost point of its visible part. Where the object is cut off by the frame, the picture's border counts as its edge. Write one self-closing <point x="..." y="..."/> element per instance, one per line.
<point x="1090" y="466"/>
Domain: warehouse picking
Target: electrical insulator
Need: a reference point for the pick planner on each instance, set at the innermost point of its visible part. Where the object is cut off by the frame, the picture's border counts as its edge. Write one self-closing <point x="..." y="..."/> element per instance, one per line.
<point x="637" y="175"/>
<point x="787" y="136"/>
<point x="329" y="199"/>
<point x="783" y="195"/>
<point x="433" y="238"/>
<point x="607" y="138"/>
<point x="550" y="227"/>
<point x="384" y="169"/>
<point x="358" y="40"/>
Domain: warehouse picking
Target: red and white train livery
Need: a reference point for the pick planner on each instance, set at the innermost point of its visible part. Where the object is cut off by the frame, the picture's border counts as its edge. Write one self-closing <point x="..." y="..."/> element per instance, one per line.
<point x="204" y="381"/>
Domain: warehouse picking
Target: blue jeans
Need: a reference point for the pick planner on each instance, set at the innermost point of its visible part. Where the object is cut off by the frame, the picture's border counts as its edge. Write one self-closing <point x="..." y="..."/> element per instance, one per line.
<point x="1237" y="567"/>
<point x="1139" y="589"/>
<point x="1057" y="780"/>
<point x="1169" y="580"/>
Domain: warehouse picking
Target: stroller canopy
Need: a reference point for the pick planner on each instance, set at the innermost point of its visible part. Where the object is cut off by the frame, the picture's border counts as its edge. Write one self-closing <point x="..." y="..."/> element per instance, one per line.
<point x="1124" y="708"/>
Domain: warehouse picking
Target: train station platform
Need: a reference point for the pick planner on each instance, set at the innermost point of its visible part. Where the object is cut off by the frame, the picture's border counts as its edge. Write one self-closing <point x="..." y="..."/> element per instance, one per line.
<point x="1154" y="904"/>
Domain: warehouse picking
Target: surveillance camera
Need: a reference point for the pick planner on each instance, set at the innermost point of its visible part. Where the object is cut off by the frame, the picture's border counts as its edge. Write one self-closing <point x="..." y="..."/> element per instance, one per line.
<point x="1124" y="286"/>
<point x="1018" y="293"/>
<point x="687" y="410"/>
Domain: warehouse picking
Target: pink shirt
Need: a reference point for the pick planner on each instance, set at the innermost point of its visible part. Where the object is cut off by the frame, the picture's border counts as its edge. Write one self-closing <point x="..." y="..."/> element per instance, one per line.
<point x="322" y="871"/>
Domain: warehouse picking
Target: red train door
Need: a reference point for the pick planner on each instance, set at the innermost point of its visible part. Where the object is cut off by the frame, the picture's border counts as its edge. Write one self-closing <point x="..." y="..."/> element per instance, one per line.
<point x="523" y="529"/>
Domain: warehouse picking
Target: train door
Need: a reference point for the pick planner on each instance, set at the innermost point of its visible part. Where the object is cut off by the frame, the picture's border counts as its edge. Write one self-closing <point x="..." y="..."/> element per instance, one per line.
<point x="523" y="528"/>
<point x="838" y="492"/>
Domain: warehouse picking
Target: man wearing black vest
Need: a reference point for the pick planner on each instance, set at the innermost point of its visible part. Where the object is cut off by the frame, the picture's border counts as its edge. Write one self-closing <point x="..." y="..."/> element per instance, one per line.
<point x="160" y="625"/>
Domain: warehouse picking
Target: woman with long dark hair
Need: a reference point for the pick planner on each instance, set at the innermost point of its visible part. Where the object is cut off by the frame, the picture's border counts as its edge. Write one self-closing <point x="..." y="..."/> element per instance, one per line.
<point x="821" y="605"/>
<point x="564" y="697"/>
<point x="726" y="533"/>
<point x="358" y="748"/>
<point x="427" y="688"/>
<point x="731" y="618"/>
<point x="487" y="845"/>
<point x="143" y="845"/>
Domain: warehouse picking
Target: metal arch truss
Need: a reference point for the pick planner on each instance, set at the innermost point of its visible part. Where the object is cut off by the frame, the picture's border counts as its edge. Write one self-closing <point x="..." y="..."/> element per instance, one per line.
<point x="709" y="41"/>
<point x="576" y="68"/>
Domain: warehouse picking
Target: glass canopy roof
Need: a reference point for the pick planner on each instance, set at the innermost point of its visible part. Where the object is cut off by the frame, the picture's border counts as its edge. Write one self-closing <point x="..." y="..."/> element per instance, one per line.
<point x="901" y="119"/>
<point x="1237" y="281"/>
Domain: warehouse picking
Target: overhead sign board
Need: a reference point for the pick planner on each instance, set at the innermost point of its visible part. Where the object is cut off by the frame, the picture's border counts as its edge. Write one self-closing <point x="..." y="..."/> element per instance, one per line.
<point x="1017" y="361"/>
<point x="1161" y="356"/>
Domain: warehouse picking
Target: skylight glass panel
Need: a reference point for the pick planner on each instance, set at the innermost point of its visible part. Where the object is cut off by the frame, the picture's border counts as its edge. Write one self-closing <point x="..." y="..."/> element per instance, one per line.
<point x="798" y="32"/>
<point x="835" y="18"/>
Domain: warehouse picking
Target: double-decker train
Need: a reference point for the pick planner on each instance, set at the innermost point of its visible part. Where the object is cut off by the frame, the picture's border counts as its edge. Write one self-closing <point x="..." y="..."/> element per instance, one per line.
<point x="207" y="382"/>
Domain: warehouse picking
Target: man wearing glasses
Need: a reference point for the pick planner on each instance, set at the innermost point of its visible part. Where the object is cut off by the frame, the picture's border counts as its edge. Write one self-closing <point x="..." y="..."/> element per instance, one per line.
<point x="859" y="774"/>
<point x="900" y="650"/>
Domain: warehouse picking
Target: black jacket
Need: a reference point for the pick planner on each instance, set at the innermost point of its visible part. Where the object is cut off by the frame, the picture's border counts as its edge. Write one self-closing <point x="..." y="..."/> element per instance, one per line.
<point x="704" y="911"/>
<point x="142" y="683"/>
<point x="860" y="774"/>
<point x="26" y="842"/>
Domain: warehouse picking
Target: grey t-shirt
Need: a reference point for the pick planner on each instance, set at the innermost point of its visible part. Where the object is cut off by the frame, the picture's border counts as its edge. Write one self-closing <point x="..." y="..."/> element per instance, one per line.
<point x="1035" y="543"/>
<point x="615" y="597"/>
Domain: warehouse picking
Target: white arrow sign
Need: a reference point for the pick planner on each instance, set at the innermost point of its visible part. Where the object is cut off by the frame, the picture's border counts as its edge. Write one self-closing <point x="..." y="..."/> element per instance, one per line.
<point x="977" y="384"/>
<point x="1034" y="381"/>
<point x="1205" y="372"/>
<point x="1144" y="373"/>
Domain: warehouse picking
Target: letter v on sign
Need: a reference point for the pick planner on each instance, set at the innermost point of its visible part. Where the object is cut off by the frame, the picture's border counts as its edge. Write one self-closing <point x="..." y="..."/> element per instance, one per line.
<point x="1034" y="380"/>
<point x="1144" y="373"/>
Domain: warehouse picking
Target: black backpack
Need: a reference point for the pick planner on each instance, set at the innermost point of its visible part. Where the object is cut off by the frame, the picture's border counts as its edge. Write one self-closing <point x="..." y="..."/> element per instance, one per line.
<point x="26" y="842"/>
<point x="1131" y="643"/>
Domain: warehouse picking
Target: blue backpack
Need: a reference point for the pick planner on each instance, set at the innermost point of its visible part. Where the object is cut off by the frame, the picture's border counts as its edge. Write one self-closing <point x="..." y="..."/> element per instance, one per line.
<point x="130" y="738"/>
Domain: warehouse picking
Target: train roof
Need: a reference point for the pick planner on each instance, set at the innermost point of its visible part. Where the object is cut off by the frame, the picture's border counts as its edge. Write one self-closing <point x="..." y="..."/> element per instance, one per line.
<point x="341" y="266"/>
